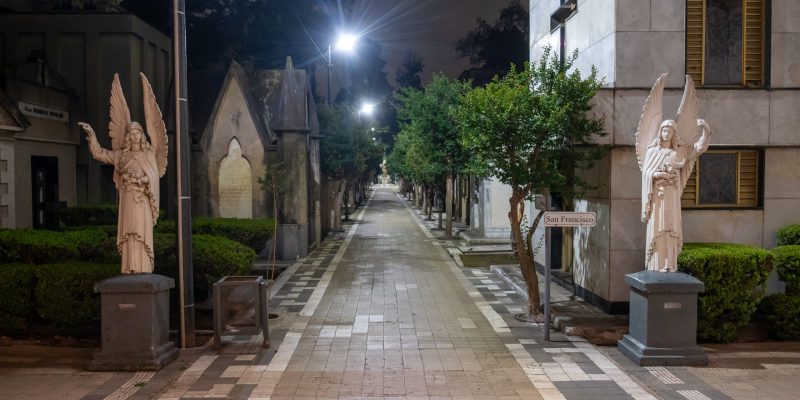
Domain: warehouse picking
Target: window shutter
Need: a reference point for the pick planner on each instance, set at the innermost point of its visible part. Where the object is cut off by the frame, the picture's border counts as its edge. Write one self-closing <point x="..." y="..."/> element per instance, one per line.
<point x="689" y="196"/>
<point x="753" y="32"/>
<point x="748" y="178"/>
<point x="695" y="39"/>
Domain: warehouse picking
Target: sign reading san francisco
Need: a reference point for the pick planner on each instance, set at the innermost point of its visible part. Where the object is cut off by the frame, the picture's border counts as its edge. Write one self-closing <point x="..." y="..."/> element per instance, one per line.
<point x="554" y="219"/>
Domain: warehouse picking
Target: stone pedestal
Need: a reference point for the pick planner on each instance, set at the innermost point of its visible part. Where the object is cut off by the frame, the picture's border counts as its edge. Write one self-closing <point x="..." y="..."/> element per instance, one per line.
<point x="292" y="241"/>
<point x="663" y="319"/>
<point x="135" y="323"/>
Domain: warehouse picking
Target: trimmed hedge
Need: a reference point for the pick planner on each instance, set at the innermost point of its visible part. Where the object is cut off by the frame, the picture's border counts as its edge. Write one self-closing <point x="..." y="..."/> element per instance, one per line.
<point x="732" y="275"/>
<point x="31" y="246"/>
<point x="65" y="294"/>
<point x="212" y="257"/>
<point x="253" y="233"/>
<point x="99" y="214"/>
<point x="16" y="297"/>
<point x="789" y="235"/>
<point x="787" y="263"/>
<point x="783" y="313"/>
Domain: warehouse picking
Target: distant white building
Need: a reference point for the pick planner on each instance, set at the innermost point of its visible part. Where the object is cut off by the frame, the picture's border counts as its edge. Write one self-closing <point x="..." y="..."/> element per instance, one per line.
<point x="744" y="56"/>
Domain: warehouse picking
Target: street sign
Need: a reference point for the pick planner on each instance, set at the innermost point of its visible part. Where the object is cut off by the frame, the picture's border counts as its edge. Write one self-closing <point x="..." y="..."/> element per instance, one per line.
<point x="554" y="219"/>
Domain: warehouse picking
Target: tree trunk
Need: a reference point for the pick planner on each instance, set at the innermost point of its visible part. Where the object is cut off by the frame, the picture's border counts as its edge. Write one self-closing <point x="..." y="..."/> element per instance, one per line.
<point x="430" y="205"/>
<point x="424" y="200"/>
<point x="448" y="198"/>
<point x="524" y="254"/>
<point x="347" y="201"/>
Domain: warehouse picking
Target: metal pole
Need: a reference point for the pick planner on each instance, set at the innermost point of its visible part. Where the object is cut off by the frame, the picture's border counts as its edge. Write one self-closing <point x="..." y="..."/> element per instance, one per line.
<point x="330" y="66"/>
<point x="547" y="265"/>
<point x="184" y="225"/>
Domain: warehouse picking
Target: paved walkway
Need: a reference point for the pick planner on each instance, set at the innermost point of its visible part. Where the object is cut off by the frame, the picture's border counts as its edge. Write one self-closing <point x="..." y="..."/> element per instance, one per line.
<point x="382" y="311"/>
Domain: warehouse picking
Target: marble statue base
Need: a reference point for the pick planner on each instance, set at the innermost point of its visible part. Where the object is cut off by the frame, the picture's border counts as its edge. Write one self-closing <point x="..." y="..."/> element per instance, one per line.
<point x="134" y="323"/>
<point x="663" y="320"/>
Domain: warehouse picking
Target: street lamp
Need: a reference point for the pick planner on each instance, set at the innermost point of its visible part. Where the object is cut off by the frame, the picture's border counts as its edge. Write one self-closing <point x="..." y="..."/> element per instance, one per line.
<point x="345" y="42"/>
<point x="367" y="108"/>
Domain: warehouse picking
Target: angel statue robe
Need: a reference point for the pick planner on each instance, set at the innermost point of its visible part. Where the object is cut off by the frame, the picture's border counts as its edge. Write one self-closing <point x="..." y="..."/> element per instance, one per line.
<point x="661" y="207"/>
<point x="136" y="177"/>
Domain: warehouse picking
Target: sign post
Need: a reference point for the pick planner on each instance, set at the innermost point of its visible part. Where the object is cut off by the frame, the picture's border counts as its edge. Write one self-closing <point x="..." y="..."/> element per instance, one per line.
<point x="558" y="219"/>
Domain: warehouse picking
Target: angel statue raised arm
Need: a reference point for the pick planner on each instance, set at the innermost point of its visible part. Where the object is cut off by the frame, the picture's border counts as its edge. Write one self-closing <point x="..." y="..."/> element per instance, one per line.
<point x="666" y="151"/>
<point x="137" y="167"/>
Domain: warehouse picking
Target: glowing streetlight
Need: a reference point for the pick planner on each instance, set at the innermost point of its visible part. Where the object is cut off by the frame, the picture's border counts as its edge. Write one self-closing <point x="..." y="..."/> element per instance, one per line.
<point x="345" y="42"/>
<point x="367" y="108"/>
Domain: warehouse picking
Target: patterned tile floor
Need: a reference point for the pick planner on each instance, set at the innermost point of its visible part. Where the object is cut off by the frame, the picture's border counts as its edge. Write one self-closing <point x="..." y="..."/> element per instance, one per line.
<point x="382" y="311"/>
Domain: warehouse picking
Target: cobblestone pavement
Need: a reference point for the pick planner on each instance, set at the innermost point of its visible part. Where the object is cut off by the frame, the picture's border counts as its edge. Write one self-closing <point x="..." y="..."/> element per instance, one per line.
<point x="382" y="311"/>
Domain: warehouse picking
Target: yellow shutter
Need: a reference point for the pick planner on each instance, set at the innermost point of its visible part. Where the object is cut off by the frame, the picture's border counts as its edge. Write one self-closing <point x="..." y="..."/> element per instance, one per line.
<point x="689" y="196"/>
<point x="748" y="178"/>
<point x="695" y="39"/>
<point x="753" y="38"/>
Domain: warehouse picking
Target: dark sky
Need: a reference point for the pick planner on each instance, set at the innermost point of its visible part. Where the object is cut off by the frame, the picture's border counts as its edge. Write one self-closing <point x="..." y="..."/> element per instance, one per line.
<point x="428" y="27"/>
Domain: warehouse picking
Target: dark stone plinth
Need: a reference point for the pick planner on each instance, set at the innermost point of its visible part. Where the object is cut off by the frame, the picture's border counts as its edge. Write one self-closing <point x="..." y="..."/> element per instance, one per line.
<point x="135" y="323"/>
<point x="663" y="319"/>
<point x="292" y="241"/>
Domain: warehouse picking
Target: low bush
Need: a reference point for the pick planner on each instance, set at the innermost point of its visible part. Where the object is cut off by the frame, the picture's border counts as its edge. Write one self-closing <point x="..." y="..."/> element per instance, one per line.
<point x="99" y="214"/>
<point x="789" y="235"/>
<point x="65" y="296"/>
<point x="253" y="233"/>
<point x="733" y="276"/>
<point x="16" y="297"/>
<point x="787" y="263"/>
<point x="212" y="257"/>
<point x="783" y="313"/>
<point x="33" y="246"/>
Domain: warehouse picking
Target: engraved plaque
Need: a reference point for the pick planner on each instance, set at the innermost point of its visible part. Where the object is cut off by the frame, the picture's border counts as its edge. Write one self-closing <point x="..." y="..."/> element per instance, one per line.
<point x="235" y="184"/>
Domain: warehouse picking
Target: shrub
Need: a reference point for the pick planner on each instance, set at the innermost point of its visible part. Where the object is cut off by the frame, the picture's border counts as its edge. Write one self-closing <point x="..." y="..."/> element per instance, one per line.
<point x="789" y="235"/>
<point x="787" y="263"/>
<point x="253" y="233"/>
<point x="783" y="313"/>
<point x="99" y="214"/>
<point x="732" y="275"/>
<point x="212" y="257"/>
<point x="65" y="294"/>
<point x="41" y="246"/>
<point x="16" y="297"/>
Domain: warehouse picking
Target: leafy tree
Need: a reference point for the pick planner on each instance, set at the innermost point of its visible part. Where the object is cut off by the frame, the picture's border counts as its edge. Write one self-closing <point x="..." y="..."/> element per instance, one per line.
<point x="407" y="74"/>
<point x="436" y="149"/>
<point x="530" y="129"/>
<point x="348" y="154"/>
<point x="274" y="182"/>
<point x="491" y="48"/>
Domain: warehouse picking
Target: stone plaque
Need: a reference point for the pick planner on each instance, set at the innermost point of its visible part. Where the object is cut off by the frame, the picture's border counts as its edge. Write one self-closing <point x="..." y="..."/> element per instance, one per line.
<point x="235" y="184"/>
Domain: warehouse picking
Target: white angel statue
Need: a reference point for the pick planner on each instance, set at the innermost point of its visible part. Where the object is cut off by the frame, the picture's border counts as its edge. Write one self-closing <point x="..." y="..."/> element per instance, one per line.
<point x="138" y="165"/>
<point x="666" y="151"/>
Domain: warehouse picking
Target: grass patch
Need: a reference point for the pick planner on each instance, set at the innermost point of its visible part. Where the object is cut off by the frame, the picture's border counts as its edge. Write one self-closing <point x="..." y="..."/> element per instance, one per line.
<point x="485" y="260"/>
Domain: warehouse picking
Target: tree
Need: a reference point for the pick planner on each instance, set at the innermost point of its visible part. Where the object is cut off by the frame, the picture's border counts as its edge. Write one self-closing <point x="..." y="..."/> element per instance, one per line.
<point x="490" y="49"/>
<point x="347" y="152"/>
<point x="407" y="74"/>
<point x="530" y="130"/>
<point x="274" y="182"/>
<point x="428" y="117"/>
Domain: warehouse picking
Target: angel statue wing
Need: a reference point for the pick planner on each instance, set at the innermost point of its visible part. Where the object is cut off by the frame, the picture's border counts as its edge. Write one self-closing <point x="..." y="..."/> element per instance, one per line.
<point x="120" y="116"/>
<point x="686" y="122"/>
<point x="155" y="126"/>
<point x="651" y="117"/>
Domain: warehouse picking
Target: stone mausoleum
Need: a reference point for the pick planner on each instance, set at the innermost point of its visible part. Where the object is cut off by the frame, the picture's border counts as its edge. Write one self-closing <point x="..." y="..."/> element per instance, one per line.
<point x="744" y="56"/>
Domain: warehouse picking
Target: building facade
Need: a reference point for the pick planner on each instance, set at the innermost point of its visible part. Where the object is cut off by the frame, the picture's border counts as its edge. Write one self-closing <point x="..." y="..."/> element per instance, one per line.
<point x="744" y="57"/>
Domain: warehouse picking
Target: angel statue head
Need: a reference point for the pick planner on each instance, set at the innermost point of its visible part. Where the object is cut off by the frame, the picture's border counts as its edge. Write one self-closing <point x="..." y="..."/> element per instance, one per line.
<point x="666" y="163"/>
<point x="138" y="165"/>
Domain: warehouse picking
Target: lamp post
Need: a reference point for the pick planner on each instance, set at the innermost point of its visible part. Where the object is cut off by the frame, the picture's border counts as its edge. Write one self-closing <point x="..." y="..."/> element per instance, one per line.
<point x="344" y="42"/>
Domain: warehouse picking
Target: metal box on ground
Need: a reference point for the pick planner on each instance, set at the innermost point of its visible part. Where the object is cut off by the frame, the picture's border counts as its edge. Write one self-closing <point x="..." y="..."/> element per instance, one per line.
<point x="240" y="307"/>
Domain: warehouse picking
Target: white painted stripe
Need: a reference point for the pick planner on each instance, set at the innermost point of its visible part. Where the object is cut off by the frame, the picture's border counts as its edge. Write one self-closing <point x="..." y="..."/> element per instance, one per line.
<point x="664" y="375"/>
<point x="188" y="378"/>
<point x="131" y="386"/>
<point x="614" y="372"/>
<point x="285" y="352"/>
<point x="693" y="395"/>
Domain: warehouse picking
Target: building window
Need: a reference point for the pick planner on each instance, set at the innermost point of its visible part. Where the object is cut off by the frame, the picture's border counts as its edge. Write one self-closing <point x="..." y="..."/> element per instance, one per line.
<point x="725" y="42"/>
<point x="724" y="179"/>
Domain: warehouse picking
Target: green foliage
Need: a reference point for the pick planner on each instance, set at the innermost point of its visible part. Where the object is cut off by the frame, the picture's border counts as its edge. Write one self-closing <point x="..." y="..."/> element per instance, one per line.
<point x="41" y="246"/>
<point x="100" y="214"/>
<point x="347" y="150"/>
<point x="253" y="233"/>
<point x="431" y="138"/>
<point x="789" y="235"/>
<point x="65" y="294"/>
<point x="407" y="74"/>
<point x="787" y="263"/>
<point x="783" y="313"/>
<point x="212" y="257"/>
<point x="16" y="297"/>
<point x="733" y="275"/>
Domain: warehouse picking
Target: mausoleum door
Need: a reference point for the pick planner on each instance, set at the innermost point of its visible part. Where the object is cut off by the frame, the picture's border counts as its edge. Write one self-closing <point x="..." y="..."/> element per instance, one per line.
<point x="44" y="179"/>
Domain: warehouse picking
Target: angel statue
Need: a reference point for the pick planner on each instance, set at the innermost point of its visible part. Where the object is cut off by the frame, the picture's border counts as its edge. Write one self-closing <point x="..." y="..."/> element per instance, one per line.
<point x="137" y="167"/>
<point x="666" y="151"/>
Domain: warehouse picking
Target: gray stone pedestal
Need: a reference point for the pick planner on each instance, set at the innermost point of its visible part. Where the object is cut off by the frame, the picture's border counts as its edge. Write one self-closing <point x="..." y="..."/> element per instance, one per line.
<point x="663" y="319"/>
<point x="135" y="323"/>
<point x="292" y="241"/>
